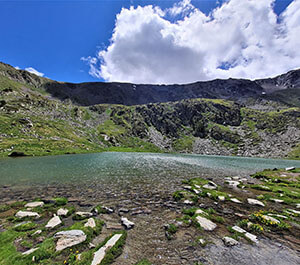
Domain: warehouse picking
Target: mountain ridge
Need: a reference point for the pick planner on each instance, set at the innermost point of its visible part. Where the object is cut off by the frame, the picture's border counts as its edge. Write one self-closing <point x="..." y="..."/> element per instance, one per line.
<point x="92" y="93"/>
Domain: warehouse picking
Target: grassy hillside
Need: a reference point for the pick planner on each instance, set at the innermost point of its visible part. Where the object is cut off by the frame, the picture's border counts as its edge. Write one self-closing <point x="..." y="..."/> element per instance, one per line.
<point x="33" y="122"/>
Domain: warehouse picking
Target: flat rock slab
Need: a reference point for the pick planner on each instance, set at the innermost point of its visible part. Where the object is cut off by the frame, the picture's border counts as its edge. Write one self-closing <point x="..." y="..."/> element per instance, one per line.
<point x="229" y="241"/>
<point x="23" y="214"/>
<point x="90" y="223"/>
<point x="62" y="212"/>
<point x="255" y="202"/>
<point x="100" y="254"/>
<point x="34" y="204"/>
<point x="53" y="222"/>
<point x="206" y="224"/>
<point x="69" y="238"/>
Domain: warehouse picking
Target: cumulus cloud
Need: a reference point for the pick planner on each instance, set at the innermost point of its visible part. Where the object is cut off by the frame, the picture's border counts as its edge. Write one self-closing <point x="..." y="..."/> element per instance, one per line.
<point x="241" y="39"/>
<point x="34" y="71"/>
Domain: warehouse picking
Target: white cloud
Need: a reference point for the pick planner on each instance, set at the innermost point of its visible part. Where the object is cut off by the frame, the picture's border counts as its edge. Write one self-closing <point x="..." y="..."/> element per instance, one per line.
<point x="17" y="67"/>
<point x="242" y="39"/>
<point x="34" y="71"/>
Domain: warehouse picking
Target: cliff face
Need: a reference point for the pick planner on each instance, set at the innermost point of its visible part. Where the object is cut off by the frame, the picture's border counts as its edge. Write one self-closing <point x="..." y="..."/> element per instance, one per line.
<point x="38" y="116"/>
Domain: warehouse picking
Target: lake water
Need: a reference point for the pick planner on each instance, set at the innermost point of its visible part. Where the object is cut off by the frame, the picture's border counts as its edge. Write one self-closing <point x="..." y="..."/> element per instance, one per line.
<point x="124" y="167"/>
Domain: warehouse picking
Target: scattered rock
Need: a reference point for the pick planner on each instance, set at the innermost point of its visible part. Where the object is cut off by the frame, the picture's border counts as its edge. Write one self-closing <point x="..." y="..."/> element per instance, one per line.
<point x="277" y="200"/>
<point x="294" y="211"/>
<point x="188" y="202"/>
<point x="90" y="223"/>
<point x="69" y="238"/>
<point x="278" y="215"/>
<point x="235" y="200"/>
<point x="100" y="254"/>
<point x="84" y="214"/>
<point x="37" y="232"/>
<point x="123" y="210"/>
<point x="22" y="223"/>
<point x="34" y="204"/>
<point x="53" y="222"/>
<point x="289" y="168"/>
<point x="23" y="214"/>
<point x="233" y="183"/>
<point x="271" y="219"/>
<point x="255" y="202"/>
<point x="29" y="251"/>
<point x="229" y="242"/>
<point x="62" y="212"/>
<point x="238" y="229"/>
<point x="251" y="237"/>
<point x="221" y="198"/>
<point x="210" y="185"/>
<point x="298" y="205"/>
<point x="187" y="187"/>
<point x="114" y="226"/>
<point x="206" y="224"/>
<point x="199" y="211"/>
<point x="128" y="224"/>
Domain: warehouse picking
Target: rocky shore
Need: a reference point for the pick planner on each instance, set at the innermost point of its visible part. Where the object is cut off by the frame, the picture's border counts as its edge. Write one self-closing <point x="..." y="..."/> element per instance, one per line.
<point x="230" y="220"/>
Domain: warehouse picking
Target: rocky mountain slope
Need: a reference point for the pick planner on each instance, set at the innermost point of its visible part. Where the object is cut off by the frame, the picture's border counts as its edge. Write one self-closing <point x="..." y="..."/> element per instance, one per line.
<point x="39" y="116"/>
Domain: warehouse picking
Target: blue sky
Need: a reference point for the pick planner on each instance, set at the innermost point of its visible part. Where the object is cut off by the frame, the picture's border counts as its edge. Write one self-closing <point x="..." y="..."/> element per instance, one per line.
<point x="52" y="36"/>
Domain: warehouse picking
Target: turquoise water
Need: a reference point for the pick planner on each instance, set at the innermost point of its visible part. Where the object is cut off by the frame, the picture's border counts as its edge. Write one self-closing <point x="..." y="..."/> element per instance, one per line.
<point x="113" y="166"/>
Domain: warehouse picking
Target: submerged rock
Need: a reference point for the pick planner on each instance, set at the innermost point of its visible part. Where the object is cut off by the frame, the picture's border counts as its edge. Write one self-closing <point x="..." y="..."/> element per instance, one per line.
<point x="206" y="224"/>
<point x="100" y="254"/>
<point x="69" y="238"/>
<point x="23" y="214"/>
<point x="229" y="241"/>
<point x="34" y="204"/>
